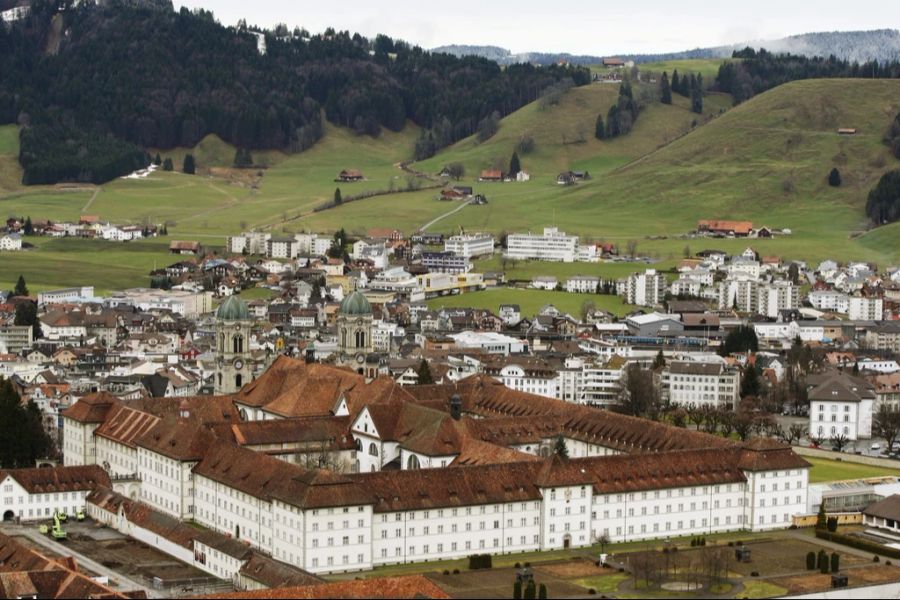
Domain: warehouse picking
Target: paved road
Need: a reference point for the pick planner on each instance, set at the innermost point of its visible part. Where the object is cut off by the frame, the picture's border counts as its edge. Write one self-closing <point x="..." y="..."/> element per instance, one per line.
<point x="455" y="210"/>
<point x="123" y="584"/>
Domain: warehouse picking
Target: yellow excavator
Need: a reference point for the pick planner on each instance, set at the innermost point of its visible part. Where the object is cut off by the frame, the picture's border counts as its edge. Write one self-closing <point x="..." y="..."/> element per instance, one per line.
<point x="57" y="532"/>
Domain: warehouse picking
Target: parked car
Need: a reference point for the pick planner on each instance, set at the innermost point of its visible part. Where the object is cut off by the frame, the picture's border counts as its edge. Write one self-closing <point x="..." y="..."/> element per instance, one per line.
<point x="875" y="446"/>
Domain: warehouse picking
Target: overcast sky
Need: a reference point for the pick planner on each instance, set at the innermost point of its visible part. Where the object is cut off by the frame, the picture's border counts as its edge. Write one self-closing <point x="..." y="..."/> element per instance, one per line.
<point x="576" y="26"/>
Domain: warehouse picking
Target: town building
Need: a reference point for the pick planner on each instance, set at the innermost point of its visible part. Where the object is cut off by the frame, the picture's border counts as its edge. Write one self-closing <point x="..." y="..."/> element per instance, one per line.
<point x="552" y="245"/>
<point x="470" y="245"/>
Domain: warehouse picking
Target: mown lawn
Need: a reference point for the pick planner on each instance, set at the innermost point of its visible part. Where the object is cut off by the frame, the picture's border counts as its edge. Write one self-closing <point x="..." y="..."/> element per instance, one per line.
<point x="531" y="301"/>
<point x="834" y="470"/>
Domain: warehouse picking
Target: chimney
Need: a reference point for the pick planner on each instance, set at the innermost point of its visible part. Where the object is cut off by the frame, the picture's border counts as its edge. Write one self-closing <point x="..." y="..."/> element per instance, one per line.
<point x="456" y="406"/>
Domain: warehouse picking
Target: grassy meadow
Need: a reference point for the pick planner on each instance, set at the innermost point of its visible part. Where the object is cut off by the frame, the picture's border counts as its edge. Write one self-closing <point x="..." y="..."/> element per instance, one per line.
<point x="531" y="301"/>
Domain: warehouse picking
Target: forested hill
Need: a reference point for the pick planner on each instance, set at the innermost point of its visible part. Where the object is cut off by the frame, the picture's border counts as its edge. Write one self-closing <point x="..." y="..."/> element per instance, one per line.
<point x="757" y="72"/>
<point x="101" y="83"/>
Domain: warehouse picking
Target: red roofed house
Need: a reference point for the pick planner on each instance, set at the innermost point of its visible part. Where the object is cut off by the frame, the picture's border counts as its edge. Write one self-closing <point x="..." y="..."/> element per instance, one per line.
<point x="491" y="175"/>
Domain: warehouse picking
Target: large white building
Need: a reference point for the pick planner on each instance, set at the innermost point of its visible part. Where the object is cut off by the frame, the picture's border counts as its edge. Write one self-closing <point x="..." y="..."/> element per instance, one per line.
<point x="840" y="405"/>
<point x="862" y="308"/>
<point x="643" y="289"/>
<point x="470" y="245"/>
<point x="36" y="494"/>
<point x="774" y="297"/>
<point x="552" y="245"/>
<point x="626" y="478"/>
<point x="702" y="384"/>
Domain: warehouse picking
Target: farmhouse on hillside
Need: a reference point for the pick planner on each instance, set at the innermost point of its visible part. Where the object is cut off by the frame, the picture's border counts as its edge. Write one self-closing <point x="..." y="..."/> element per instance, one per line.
<point x="349" y="175"/>
<point x="716" y="227"/>
<point x="184" y="247"/>
<point x="491" y="175"/>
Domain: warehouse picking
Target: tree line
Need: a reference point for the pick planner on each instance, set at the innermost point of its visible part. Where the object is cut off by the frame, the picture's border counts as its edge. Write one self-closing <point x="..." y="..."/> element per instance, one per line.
<point x="758" y="71"/>
<point x="161" y="78"/>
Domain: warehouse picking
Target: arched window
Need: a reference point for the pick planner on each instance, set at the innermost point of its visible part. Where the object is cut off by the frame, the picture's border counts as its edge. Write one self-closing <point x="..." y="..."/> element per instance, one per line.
<point x="360" y="338"/>
<point x="220" y="379"/>
<point x="237" y="343"/>
<point x="412" y="462"/>
<point x="238" y="381"/>
<point x="359" y="444"/>
<point x="373" y="449"/>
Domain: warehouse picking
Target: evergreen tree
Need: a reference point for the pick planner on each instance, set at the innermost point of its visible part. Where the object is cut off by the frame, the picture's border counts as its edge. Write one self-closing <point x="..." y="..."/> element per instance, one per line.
<point x="676" y="82"/>
<point x="741" y="339"/>
<point x="599" y="131"/>
<point x="660" y="361"/>
<point x="697" y="94"/>
<point x="21" y="289"/>
<point x="26" y="314"/>
<point x="835" y="562"/>
<point x="424" y="373"/>
<point x="22" y="435"/>
<point x="834" y="178"/>
<point x="517" y="590"/>
<point x="821" y="518"/>
<point x="750" y="383"/>
<point x="560" y="447"/>
<point x="189" y="167"/>
<point x="542" y="592"/>
<point x="665" y="90"/>
<point x="28" y="228"/>
<point x="337" y="196"/>
<point x="167" y="164"/>
<point x="514" y="166"/>
<point x="243" y="158"/>
<point x="530" y="590"/>
<point x="157" y="160"/>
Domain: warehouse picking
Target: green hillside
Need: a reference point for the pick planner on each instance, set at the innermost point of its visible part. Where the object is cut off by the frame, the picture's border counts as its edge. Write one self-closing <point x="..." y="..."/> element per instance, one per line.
<point x="766" y="160"/>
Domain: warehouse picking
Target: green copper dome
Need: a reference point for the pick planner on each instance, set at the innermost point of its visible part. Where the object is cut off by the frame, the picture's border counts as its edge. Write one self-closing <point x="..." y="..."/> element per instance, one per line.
<point x="356" y="304"/>
<point x="233" y="309"/>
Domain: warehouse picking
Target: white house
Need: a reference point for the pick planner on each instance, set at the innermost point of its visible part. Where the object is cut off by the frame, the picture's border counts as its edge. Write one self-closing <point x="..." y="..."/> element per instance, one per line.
<point x="10" y="242"/>
<point x="840" y="405"/>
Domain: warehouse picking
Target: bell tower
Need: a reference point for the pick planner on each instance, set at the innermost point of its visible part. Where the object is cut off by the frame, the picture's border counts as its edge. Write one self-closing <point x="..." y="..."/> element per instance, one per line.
<point x="354" y="330"/>
<point x="233" y="325"/>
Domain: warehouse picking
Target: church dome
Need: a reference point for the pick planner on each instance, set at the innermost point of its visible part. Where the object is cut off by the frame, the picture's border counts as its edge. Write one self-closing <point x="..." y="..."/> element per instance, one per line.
<point x="233" y="309"/>
<point x="356" y="304"/>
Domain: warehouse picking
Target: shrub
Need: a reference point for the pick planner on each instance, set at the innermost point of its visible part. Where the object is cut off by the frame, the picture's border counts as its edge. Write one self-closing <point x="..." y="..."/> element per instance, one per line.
<point x="888" y="562"/>
<point x="835" y="562"/>
<point x="592" y="591"/>
<point x="810" y="561"/>
<point x="480" y="561"/>
<point x="822" y="561"/>
<point x="754" y="574"/>
<point x="855" y="542"/>
<point x="446" y="571"/>
<point x="876" y="559"/>
<point x="832" y="524"/>
<point x="456" y="571"/>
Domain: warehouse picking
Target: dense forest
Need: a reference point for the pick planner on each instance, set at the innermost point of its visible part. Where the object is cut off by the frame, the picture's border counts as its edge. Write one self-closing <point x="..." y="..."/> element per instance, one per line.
<point x="760" y="71"/>
<point x="883" y="203"/>
<point x="105" y="82"/>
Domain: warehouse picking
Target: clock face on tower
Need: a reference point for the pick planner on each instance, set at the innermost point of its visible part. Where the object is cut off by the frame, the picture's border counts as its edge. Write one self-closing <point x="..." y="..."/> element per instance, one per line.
<point x="360" y="358"/>
<point x="238" y="364"/>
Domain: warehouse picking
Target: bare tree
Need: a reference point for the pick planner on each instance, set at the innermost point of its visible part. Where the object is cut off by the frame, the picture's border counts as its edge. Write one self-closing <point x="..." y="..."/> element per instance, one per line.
<point x="638" y="395"/>
<point x="711" y="418"/>
<point x="839" y="441"/>
<point x="886" y="424"/>
<point x="631" y="247"/>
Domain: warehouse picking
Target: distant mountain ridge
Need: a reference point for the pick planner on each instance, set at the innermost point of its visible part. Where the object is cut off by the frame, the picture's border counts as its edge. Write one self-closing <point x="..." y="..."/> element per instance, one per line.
<point x="856" y="46"/>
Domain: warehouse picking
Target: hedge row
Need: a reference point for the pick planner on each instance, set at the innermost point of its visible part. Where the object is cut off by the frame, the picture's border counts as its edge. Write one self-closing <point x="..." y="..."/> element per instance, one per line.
<point x="855" y="542"/>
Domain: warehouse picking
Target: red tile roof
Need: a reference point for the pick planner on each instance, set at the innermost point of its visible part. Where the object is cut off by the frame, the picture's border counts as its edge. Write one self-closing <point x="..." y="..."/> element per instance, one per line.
<point x="45" y="480"/>
<point x="411" y="586"/>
